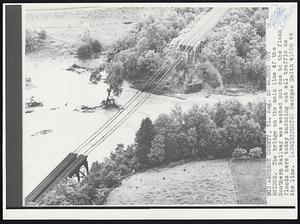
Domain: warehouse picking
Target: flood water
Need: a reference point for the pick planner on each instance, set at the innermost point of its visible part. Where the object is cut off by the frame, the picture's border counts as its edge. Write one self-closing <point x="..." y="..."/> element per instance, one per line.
<point x="61" y="92"/>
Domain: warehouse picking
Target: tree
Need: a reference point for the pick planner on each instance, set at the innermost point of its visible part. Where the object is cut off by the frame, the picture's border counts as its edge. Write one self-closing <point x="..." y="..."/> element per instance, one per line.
<point x="258" y="20"/>
<point x="236" y="46"/>
<point x="259" y="114"/>
<point x="144" y="50"/>
<point x="244" y="132"/>
<point x="96" y="46"/>
<point x="190" y="143"/>
<point x="143" y="139"/>
<point x="85" y="51"/>
<point x="114" y="80"/>
<point x="228" y="109"/>
<point x="147" y="63"/>
<point x="217" y="143"/>
<point x="173" y="149"/>
<point x="143" y="44"/>
<point x="129" y="59"/>
<point x="195" y="134"/>
<point x="157" y="151"/>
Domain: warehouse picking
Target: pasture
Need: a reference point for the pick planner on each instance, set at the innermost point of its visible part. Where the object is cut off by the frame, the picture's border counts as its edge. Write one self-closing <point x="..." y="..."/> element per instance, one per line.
<point x="205" y="182"/>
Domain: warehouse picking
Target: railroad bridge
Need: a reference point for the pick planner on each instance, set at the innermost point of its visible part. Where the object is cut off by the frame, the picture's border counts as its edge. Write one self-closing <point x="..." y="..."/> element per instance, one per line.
<point x="188" y="46"/>
<point x="70" y="166"/>
<point x="191" y="43"/>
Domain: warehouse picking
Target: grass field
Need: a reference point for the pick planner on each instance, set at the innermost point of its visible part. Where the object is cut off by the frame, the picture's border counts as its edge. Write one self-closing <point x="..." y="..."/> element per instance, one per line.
<point x="249" y="178"/>
<point x="205" y="182"/>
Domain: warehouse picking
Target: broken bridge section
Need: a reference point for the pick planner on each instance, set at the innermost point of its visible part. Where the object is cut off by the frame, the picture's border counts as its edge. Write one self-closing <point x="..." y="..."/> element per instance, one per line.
<point x="70" y="166"/>
<point x="190" y="44"/>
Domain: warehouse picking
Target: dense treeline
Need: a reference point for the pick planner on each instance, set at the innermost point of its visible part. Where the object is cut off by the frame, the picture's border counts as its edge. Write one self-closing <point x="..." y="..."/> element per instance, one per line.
<point x="235" y="48"/>
<point x="143" y="51"/>
<point x="137" y="56"/>
<point x="201" y="133"/>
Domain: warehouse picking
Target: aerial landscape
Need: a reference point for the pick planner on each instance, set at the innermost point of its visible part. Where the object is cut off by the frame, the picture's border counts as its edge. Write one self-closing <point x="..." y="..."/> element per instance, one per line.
<point x="156" y="105"/>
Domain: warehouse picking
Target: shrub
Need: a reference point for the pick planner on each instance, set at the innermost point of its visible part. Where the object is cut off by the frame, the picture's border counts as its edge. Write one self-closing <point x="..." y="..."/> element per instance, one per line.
<point x="111" y="180"/>
<point x="255" y="152"/>
<point x="42" y="35"/>
<point x="89" y="48"/>
<point x="101" y="195"/>
<point x="239" y="153"/>
<point x="85" y="194"/>
<point x="123" y="169"/>
<point x="96" y="46"/>
<point x="34" y="40"/>
<point x="64" y="193"/>
<point x="85" y="51"/>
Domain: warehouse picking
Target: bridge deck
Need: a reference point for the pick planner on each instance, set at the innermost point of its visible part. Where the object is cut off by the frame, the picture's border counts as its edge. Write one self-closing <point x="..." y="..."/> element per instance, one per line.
<point x="72" y="162"/>
<point x="65" y="168"/>
<point x="199" y="32"/>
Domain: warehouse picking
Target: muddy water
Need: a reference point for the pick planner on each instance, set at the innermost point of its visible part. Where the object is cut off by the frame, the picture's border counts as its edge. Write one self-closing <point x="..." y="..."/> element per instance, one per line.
<point x="61" y="92"/>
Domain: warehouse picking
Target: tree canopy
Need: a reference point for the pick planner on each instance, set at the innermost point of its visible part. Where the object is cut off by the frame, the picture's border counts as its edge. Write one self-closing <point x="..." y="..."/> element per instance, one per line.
<point x="237" y="48"/>
<point x="234" y="50"/>
<point x="201" y="133"/>
<point x="114" y="81"/>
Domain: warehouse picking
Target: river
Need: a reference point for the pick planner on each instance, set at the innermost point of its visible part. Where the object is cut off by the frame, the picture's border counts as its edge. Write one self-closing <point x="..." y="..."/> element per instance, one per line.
<point x="62" y="91"/>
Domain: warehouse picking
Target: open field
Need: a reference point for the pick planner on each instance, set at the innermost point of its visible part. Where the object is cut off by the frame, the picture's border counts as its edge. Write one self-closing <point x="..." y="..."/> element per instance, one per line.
<point x="249" y="178"/>
<point x="105" y="24"/>
<point x="205" y="182"/>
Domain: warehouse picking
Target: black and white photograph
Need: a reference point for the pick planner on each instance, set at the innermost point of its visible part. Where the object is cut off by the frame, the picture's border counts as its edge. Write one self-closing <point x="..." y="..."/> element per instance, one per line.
<point x="144" y="105"/>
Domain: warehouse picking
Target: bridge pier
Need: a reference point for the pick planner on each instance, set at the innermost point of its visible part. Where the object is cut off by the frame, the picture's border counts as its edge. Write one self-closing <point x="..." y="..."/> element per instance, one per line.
<point x="81" y="171"/>
<point x="195" y="39"/>
<point x="191" y="53"/>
